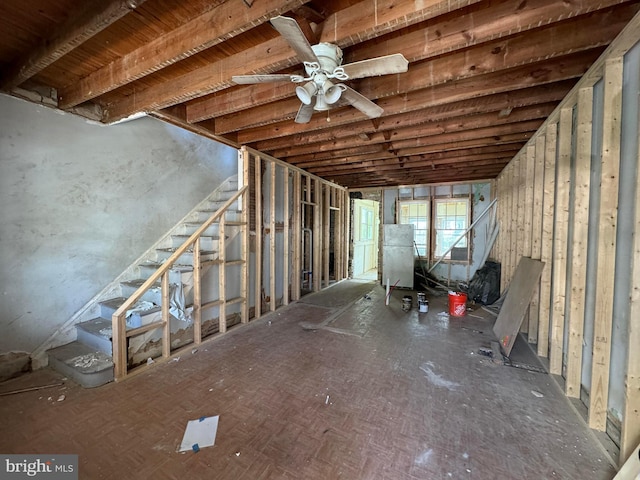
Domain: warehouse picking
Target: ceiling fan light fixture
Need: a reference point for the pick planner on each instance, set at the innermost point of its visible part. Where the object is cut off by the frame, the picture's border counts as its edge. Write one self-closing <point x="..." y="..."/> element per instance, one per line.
<point x="321" y="103"/>
<point x="331" y="92"/>
<point x="306" y="92"/>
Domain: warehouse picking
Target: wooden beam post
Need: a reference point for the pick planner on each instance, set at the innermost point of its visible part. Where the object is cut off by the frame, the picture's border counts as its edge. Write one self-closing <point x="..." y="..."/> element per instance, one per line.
<point x="326" y="232"/>
<point x="285" y="238"/>
<point x="317" y="235"/>
<point x="579" y="242"/>
<point x="630" y="432"/>
<point x="296" y="236"/>
<point x="608" y="220"/>
<point x="560" y="243"/>
<point x="259" y="237"/>
<point x="197" y="293"/>
<point x="546" y="253"/>
<point x="246" y="206"/>
<point x="166" y="317"/>
<point x="536" y="232"/>
<point x="272" y="237"/>
<point x="222" y="278"/>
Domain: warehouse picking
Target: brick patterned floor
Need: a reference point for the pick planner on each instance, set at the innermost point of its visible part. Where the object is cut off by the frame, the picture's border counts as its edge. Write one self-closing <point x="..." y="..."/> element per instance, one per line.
<point x="383" y="394"/>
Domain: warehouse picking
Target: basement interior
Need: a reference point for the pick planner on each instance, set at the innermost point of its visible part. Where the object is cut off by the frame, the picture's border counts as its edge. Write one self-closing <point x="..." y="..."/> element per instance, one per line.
<point x="299" y="239"/>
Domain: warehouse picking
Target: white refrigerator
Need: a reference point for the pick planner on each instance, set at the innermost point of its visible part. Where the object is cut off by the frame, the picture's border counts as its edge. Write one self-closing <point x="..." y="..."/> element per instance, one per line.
<point x="397" y="255"/>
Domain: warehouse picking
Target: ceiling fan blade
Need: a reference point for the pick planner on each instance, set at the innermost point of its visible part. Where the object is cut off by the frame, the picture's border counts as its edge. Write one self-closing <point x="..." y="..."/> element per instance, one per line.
<point x="395" y="63"/>
<point x="361" y="102"/>
<point x="249" y="79"/>
<point x="293" y="34"/>
<point x="304" y="113"/>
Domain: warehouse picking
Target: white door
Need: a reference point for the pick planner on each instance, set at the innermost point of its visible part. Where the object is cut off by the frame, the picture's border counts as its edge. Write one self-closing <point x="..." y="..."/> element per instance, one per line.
<point x="365" y="236"/>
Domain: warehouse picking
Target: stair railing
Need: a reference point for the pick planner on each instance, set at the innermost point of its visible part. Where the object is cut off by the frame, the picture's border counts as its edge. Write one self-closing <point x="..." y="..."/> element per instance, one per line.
<point x="120" y="334"/>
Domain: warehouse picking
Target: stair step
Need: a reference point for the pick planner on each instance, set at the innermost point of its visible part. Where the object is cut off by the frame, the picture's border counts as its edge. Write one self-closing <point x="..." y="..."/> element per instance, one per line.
<point x="96" y="333"/>
<point x="207" y="242"/>
<point x="108" y="307"/>
<point x="83" y="364"/>
<point x="187" y="257"/>
<point x="149" y="267"/>
<point x="153" y="295"/>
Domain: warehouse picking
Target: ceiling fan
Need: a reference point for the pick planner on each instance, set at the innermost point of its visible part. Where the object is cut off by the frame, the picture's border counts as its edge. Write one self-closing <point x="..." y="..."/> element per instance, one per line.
<point x="323" y="66"/>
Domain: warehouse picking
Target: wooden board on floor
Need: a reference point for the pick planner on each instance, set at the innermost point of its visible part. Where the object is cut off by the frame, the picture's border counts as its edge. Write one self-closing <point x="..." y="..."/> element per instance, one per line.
<point x="517" y="301"/>
<point x="631" y="468"/>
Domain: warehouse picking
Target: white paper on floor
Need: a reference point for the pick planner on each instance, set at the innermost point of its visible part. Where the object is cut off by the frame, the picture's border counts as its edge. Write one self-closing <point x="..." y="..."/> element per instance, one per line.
<point x="199" y="433"/>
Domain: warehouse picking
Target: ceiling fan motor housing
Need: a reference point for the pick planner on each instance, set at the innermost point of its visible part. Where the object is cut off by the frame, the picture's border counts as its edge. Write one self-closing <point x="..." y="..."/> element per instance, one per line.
<point x="329" y="57"/>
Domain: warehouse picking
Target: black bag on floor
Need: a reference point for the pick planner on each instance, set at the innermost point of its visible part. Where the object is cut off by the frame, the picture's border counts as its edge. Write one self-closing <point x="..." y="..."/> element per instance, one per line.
<point x="484" y="287"/>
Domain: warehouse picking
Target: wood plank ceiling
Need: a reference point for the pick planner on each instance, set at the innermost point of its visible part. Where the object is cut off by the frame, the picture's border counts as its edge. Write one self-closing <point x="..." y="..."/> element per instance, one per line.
<point x="483" y="74"/>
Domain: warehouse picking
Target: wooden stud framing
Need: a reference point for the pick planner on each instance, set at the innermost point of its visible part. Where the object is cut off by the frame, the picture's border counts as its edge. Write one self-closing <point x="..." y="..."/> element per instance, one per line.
<point x="296" y="237"/>
<point x="536" y="231"/>
<point x="222" y="279"/>
<point x="258" y="240"/>
<point x="513" y="262"/>
<point x="326" y="233"/>
<point x="630" y="432"/>
<point x="346" y="215"/>
<point x="246" y="206"/>
<point x="166" y="324"/>
<point x="561" y="219"/>
<point x="285" y="238"/>
<point x="317" y="235"/>
<point x="608" y="216"/>
<point x="197" y="293"/>
<point x="546" y="251"/>
<point x="579" y="242"/>
<point x="272" y="237"/>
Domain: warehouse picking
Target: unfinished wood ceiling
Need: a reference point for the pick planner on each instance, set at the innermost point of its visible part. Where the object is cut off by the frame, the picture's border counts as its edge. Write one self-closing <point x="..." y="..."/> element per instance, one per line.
<point x="483" y="74"/>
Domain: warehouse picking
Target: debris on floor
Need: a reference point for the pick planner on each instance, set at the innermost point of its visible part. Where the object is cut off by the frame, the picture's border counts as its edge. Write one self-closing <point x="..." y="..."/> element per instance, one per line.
<point x="436" y="379"/>
<point x="199" y="433"/>
<point x="535" y="393"/>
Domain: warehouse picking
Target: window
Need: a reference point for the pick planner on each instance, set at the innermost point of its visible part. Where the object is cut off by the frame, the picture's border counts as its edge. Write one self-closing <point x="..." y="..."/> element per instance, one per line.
<point x="416" y="213"/>
<point x="451" y="221"/>
<point x="366" y="224"/>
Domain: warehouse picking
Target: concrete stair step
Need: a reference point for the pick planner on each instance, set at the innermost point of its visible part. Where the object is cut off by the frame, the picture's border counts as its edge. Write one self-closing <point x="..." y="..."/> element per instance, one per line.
<point x="207" y="242"/>
<point x="153" y="295"/>
<point x="96" y="334"/>
<point x="186" y="258"/>
<point x="83" y="364"/>
<point x="108" y="308"/>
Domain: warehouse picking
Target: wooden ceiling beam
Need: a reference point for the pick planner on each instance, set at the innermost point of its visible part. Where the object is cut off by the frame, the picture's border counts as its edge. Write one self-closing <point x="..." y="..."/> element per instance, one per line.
<point x="517" y="139"/>
<point x="540" y="73"/>
<point x="491" y="52"/>
<point x="90" y="18"/>
<point x="524" y="129"/>
<point x="192" y="37"/>
<point x="428" y="129"/>
<point x="434" y="156"/>
<point x="489" y="103"/>
<point x="361" y="21"/>
<point x="471" y="160"/>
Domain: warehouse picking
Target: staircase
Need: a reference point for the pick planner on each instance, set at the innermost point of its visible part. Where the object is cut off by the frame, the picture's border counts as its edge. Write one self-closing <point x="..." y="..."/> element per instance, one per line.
<point x="179" y="296"/>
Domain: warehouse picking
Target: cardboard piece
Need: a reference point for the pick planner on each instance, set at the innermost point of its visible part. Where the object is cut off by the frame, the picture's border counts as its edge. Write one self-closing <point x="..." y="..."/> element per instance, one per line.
<point x="516" y="302"/>
<point x="199" y="433"/>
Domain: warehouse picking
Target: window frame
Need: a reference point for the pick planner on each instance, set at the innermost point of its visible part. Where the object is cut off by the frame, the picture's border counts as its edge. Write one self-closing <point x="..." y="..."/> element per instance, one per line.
<point x="464" y="243"/>
<point x="422" y="249"/>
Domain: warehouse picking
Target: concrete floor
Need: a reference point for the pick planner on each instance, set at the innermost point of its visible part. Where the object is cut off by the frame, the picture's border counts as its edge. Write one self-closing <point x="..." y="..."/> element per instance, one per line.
<point x="378" y="393"/>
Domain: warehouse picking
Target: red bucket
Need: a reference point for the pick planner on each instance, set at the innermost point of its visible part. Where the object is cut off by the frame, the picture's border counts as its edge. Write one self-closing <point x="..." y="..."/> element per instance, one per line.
<point x="457" y="304"/>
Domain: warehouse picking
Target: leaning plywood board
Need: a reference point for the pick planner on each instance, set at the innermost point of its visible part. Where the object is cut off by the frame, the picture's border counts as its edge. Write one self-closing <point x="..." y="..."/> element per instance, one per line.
<point x="516" y="302"/>
<point x="631" y="468"/>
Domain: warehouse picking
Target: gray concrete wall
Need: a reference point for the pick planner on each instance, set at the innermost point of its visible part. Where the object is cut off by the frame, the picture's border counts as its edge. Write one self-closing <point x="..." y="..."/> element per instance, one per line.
<point x="79" y="202"/>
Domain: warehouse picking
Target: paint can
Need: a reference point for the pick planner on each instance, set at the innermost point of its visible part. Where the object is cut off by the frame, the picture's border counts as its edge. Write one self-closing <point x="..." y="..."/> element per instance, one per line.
<point x="407" y="302"/>
<point x="457" y="304"/>
<point x="423" y="306"/>
<point x="423" y="303"/>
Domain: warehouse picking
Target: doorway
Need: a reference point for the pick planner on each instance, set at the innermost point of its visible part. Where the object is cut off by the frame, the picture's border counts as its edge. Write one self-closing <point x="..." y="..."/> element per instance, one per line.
<point x="366" y="224"/>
